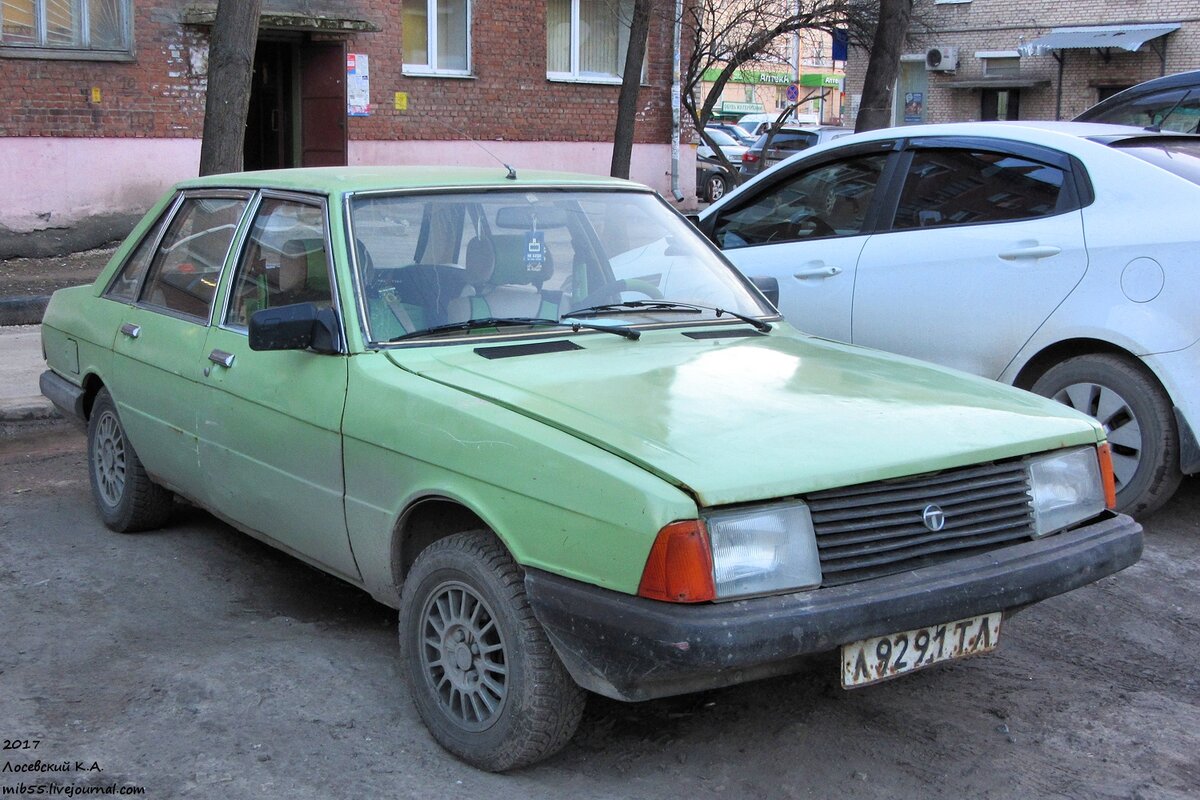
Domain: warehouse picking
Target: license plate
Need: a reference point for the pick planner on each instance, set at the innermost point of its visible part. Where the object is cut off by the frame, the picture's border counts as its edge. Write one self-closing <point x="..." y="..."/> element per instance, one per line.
<point x="883" y="657"/>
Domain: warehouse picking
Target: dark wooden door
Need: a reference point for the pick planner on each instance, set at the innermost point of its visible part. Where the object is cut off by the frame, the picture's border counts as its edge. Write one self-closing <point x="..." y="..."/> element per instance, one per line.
<point x="269" y="121"/>
<point x="322" y="104"/>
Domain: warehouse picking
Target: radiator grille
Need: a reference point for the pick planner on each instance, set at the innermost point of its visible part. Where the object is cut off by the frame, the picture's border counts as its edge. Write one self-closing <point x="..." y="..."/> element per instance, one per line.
<point x="876" y="529"/>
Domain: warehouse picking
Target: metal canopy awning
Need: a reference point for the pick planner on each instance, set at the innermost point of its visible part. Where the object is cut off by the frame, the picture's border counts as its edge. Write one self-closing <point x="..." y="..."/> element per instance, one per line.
<point x="998" y="83"/>
<point x="1098" y="37"/>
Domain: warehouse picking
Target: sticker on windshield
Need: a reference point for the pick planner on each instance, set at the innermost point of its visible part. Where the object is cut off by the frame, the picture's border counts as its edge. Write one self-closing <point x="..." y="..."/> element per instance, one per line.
<point x="535" y="250"/>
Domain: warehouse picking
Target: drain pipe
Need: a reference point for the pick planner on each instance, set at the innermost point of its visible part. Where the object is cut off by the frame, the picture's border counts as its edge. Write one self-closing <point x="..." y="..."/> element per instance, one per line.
<point x="676" y="101"/>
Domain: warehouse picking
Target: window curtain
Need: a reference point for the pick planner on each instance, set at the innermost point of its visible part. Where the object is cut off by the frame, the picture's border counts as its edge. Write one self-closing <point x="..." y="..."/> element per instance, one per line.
<point x="415" y="26"/>
<point x="453" y="17"/>
<point x="558" y="35"/>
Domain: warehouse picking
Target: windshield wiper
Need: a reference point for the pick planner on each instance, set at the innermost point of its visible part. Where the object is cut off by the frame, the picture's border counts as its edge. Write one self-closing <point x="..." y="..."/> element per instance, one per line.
<point x="666" y="305"/>
<point x="500" y="322"/>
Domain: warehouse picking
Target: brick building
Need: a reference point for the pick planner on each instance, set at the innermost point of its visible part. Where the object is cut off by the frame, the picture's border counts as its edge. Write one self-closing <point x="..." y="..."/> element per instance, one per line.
<point x="102" y="101"/>
<point x="1027" y="59"/>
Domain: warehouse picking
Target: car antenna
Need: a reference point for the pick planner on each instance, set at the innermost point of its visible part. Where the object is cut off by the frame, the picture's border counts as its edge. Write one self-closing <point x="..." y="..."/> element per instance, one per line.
<point x="512" y="173"/>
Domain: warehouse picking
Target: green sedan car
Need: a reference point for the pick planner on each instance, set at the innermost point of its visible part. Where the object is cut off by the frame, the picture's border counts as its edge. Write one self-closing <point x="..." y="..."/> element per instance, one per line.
<point x="447" y="387"/>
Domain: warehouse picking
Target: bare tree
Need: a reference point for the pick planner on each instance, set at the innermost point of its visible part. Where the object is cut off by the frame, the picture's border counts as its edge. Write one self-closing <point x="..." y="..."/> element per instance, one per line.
<point x="631" y="84"/>
<point x="230" y="70"/>
<point x="884" y="64"/>
<point x="725" y="36"/>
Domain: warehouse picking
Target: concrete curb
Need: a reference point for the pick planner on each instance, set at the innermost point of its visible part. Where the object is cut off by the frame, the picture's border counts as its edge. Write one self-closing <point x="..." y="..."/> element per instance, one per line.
<point x="28" y="409"/>
<point x="23" y="310"/>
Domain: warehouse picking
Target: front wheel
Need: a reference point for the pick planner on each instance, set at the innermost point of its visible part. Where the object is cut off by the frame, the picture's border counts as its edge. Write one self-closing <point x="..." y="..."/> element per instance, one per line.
<point x="486" y="681"/>
<point x="715" y="187"/>
<point x="1138" y="420"/>
<point x="127" y="499"/>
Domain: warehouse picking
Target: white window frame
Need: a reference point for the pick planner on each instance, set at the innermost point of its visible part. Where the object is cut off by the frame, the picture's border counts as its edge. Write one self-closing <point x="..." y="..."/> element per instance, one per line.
<point x="81" y="51"/>
<point x="431" y="32"/>
<point x="574" y="76"/>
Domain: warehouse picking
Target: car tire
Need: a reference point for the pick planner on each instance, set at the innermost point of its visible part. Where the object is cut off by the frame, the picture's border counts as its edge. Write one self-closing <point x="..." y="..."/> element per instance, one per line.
<point x="127" y="499"/>
<point x="464" y="618"/>
<point x="715" y="187"/>
<point x="1137" y="416"/>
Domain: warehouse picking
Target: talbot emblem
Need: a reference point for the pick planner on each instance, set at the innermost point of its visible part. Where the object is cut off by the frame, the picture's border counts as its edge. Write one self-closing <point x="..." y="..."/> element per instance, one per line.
<point x="933" y="517"/>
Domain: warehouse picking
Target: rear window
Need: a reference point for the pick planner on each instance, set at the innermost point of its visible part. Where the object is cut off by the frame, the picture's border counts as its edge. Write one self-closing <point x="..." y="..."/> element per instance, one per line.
<point x="788" y="140"/>
<point x="1180" y="156"/>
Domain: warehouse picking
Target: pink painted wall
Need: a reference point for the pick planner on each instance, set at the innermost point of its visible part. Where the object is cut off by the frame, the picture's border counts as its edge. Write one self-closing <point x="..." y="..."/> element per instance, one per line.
<point x="52" y="182"/>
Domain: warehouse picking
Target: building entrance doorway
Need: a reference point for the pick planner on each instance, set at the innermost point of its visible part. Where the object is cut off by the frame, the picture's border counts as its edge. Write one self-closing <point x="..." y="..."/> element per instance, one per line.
<point x="297" y="115"/>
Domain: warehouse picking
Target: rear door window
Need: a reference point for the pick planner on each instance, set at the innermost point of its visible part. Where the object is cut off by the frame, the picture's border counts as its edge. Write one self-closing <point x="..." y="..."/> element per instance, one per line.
<point x="962" y="187"/>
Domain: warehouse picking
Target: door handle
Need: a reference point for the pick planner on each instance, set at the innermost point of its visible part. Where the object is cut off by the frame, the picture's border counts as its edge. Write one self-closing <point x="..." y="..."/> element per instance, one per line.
<point x="221" y="358"/>
<point x="131" y="330"/>
<point x="817" y="272"/>
<point x="1033" y="252"/>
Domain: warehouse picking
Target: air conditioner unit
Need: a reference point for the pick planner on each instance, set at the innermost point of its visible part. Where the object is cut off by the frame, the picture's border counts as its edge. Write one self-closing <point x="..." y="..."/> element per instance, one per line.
<point x="941" y="59"/>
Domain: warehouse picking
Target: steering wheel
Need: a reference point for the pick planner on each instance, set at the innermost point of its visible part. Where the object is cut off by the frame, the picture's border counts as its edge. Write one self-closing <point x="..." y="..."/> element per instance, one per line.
<point x="612" y="290"/>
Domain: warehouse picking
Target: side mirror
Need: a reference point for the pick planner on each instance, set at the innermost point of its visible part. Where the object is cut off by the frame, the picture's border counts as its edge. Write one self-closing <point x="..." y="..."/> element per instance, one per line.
<point x="768" y="286"/>
<point x="302" y="326"/>
<point x="693" y="218"/>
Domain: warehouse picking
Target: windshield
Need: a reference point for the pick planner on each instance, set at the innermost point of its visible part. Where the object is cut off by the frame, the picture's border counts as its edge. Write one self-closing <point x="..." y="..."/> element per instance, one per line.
<point x="722" y="138"/>
<point x="1176" y="110"/>
<point x="430" y="261"/>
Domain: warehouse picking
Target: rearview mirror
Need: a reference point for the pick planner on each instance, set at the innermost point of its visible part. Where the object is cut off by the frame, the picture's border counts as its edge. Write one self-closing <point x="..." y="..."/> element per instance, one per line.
<point x="302" y="326"/>
<point x="528" y="218"/>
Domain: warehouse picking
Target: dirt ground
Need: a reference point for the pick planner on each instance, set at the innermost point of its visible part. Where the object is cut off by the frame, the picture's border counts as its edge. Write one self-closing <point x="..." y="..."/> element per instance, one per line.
<point x="27" y="277"/>
<point x="198" y="663"/>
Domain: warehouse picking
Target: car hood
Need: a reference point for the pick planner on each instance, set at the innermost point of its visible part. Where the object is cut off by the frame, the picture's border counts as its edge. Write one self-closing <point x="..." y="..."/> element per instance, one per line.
<point x="739" y="419"/>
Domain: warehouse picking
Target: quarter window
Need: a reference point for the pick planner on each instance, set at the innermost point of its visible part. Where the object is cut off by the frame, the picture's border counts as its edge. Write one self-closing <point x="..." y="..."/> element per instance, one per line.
<point x="183" y="276"/>
<point x="284" y="261"/>
<point x="586" y="40"/>
<point x="959" y="187"/>
<point x="128" y="281"/>
<point x="90" y="25"/>
<point x="831" y="200"/>
<point x="437" y="36"/>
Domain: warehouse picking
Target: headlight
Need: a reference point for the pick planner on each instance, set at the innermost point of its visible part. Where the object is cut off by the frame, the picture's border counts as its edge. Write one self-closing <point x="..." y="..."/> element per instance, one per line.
<point x="1066" y="487"/>
<point x="763" y="550"/>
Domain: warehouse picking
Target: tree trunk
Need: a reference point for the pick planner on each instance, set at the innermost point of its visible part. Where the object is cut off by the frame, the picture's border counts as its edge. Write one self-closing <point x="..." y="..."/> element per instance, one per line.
<point x="230" y="70"/>
<point x="631" y="84"/>
<point x="875" y="110"/>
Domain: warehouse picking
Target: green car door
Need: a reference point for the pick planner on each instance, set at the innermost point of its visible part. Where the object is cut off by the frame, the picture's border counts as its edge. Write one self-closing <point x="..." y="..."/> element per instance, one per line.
<point x="160" y="336"/>
<point x="270" y="422"/>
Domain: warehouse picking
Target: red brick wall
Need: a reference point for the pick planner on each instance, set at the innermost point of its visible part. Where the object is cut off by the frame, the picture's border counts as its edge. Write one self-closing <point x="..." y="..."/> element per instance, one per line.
<point x="158" y="95"/>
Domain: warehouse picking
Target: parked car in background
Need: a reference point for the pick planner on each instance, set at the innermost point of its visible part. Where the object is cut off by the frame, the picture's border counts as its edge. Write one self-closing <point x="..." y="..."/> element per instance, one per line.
<point x="1059" y="257"/>
<point x="1169" y="103"/>
<point x="731" y="147"/>
<point x="787" y="142"/>
<point x="736" y="131"/>
<point x="713" y="179"/>
<point x="438" y="385"/>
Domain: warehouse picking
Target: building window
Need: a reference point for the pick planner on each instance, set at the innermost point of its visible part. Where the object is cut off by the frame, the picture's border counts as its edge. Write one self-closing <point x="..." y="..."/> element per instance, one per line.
<point x="101" y="26"/>
<point x="1001" y="67"/>
<point x="586" y="41"/>
<point x="437" y="36"/>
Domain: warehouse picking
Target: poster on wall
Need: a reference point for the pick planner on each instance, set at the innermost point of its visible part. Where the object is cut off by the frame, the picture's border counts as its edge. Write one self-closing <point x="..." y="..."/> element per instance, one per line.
<point x="914" y="106"/>
<point x="358" y="85"/>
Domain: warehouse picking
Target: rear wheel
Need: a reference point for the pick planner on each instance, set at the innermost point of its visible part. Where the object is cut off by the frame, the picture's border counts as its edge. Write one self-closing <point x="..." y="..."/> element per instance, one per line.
<point x="485" y="680"/>
<point x="715" y="187"/>
<point x="1137" y="417"/>
<point x="126" y="498"/>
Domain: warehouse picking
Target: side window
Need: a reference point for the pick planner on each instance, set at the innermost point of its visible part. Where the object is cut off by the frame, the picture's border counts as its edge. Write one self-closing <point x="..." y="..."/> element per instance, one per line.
<point x="183" y="276"/>
<point x="960" y="187"/>
<point x="830" y="200"/>
<point x="284" y="261"/>
<point x="124" y="287"/>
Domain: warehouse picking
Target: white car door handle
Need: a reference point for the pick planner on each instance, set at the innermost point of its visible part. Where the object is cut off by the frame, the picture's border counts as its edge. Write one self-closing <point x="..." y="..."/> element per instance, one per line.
<point x="1034" y="252"/>
<point x="817" y="272"/>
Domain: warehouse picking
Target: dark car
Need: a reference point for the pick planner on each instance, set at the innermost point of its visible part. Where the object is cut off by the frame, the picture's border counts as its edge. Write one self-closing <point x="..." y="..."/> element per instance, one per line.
<point x="1170" y="103"/>
<point x="713" y="179"/>
<point x="787" y="142"/>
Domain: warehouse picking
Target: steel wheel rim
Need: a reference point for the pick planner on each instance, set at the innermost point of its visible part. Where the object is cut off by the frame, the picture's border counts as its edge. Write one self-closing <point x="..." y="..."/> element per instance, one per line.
<point x="463" y="656"/>
<point x="108" y="459"/>
<point x="1121" y="425"/>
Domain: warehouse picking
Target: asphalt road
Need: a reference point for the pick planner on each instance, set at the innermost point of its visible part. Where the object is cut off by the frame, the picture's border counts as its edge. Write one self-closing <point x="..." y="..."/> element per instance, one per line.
<point x="195" y="662"/>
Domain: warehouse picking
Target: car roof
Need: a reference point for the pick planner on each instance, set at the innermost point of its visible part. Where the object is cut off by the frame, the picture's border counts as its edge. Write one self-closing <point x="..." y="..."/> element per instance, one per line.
<point x="335" y="180"/>
<point x="1179" y="80"/>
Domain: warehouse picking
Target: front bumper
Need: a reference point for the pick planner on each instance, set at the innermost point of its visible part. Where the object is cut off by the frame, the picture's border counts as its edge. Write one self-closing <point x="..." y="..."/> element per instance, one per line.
<point x="630" y="648"/>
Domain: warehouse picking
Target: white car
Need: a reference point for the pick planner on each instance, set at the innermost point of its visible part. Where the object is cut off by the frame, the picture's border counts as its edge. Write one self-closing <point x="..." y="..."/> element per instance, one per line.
<point x="1058" y="257"/>
<point x="731" y="147"/>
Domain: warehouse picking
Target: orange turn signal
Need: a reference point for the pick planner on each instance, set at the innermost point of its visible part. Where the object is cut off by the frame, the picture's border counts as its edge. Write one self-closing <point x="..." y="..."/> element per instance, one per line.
<point x="680" y="568"/>
<point x="1104" y="453"/>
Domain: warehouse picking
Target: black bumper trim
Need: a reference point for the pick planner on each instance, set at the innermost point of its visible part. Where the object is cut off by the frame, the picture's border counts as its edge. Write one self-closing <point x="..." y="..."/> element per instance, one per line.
<point x="1189" y="448"/>
<point x="630" y="648"/>
<point x="66" y="396"/>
